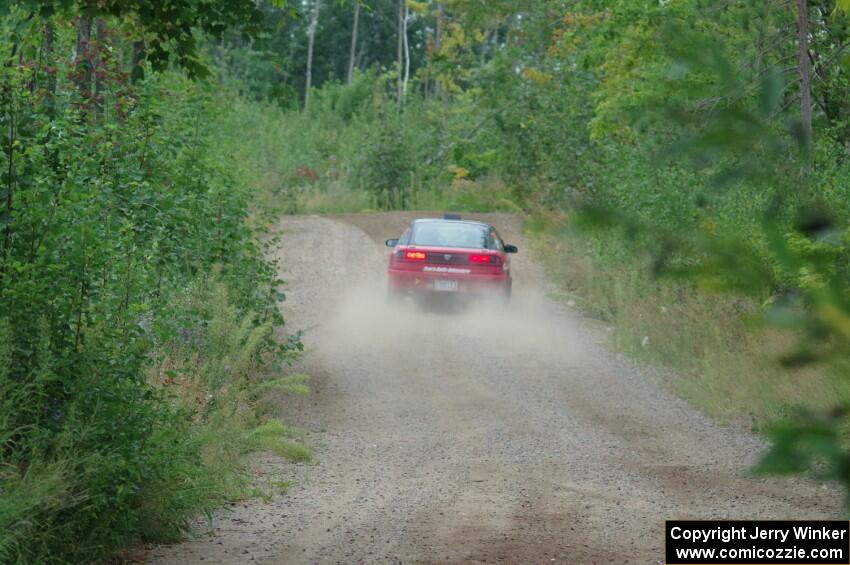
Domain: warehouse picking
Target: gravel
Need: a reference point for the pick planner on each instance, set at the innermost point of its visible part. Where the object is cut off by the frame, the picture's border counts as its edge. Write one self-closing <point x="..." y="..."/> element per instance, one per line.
<point x="482" y="436"/>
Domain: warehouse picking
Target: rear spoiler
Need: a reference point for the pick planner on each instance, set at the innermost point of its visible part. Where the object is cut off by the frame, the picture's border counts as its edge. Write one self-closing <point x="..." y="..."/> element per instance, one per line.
<point x="452" y="217"/>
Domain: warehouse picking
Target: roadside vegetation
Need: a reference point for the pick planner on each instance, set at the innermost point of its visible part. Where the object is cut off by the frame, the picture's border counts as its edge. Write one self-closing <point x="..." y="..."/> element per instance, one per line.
<point x="137" y="310"/>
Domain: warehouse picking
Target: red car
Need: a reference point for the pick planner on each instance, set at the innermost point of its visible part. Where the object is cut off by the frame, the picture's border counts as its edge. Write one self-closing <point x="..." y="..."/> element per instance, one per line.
<point x="449" y="257"/>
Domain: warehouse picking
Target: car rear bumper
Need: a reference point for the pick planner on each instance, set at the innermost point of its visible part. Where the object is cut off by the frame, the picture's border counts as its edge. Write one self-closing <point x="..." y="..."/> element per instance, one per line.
<point x="419" y="282"/>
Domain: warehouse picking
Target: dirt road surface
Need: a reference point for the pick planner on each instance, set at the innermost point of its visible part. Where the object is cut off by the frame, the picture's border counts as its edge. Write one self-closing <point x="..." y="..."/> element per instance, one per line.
<point x="481" y="437"/>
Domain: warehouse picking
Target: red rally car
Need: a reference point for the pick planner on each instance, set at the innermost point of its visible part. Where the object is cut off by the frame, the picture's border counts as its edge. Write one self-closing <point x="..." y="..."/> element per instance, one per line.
<point x="449" y="256"/>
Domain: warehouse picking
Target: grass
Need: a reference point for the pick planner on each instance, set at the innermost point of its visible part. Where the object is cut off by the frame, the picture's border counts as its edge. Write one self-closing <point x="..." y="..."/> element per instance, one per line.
<point x="485" y="195"/>
<point x="293" y="384"/>
<point x="281" y="440"/>
<point x="724" y="362"/>
<point x="222" y="377"/>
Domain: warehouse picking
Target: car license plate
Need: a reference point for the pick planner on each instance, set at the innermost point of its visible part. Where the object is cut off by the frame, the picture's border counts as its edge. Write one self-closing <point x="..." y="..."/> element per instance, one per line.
<point x="445" y="285"/>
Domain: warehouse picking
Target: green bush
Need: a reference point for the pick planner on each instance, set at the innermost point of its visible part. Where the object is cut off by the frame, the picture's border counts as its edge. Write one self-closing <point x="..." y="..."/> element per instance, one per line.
<point x="116" y="209"/>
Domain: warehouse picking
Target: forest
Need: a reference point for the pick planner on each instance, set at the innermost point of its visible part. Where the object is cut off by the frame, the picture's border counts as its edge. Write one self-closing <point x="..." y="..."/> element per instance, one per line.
<point x="681" y="167"/>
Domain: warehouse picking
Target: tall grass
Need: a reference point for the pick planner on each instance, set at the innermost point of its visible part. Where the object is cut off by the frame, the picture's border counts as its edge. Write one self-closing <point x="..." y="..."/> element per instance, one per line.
<point x="724" y="363"/>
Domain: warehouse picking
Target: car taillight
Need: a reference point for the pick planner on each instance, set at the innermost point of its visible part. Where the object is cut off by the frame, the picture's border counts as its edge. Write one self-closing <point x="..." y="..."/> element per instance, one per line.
<point x="415" y="255"/>
<point x="485" y="259"/>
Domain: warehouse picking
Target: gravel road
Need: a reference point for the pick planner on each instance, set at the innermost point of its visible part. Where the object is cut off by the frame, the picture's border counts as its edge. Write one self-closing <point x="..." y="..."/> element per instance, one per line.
<point x="478" y="437"/>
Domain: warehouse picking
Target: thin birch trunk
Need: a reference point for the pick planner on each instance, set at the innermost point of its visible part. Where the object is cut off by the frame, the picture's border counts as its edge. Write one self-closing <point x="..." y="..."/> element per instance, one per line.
<point x="805" y="77"/>
<point x="353" y="52"/>
<point x="406" y="53"/>
<point x="438" y="44"/>
<point x="314" y="22"/>
<point x="400" y="48"/>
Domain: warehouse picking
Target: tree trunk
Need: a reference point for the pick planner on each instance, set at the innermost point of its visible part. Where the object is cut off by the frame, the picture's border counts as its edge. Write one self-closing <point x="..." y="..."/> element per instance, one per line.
<point x="50" y="70"/>
<point x="429" y="53"/>
<point x="406" y="53"/>
<point x="10" y="184"/>
<point x="82" y="59"/>
<point x="438" y="44"/>
<point x="361" y="55"/>
<point x="139" y="55"/>
<point x="805" y="78"/>
<point x="98" y="66"/>
<point x="400" y="57"/>
<point x="314" y="22"/>
<point x="353" y="52"/>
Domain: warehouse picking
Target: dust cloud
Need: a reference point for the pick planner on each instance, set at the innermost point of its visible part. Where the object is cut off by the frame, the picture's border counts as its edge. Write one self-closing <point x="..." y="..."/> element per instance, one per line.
<point x="366" y="321"/>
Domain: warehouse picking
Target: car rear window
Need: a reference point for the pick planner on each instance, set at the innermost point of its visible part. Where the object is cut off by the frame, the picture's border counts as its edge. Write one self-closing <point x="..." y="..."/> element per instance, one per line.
<point x="450" y="234"/>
